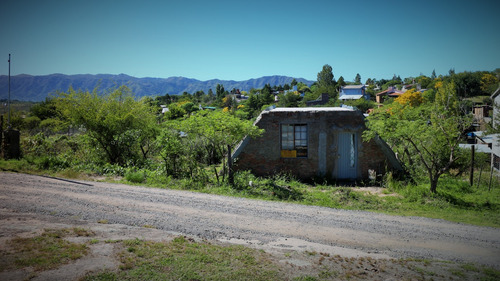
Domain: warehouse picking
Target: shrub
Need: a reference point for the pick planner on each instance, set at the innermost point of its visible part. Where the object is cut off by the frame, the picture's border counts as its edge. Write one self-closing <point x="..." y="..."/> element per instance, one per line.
<point x="135" y="177"/>
<point x="52" y="163"/>
<point x="112" y="169"/>
<point x="280" y="186"/>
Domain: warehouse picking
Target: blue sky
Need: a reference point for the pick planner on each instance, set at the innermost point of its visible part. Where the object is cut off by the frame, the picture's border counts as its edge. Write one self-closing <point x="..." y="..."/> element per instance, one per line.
<point x="240" y="40"/>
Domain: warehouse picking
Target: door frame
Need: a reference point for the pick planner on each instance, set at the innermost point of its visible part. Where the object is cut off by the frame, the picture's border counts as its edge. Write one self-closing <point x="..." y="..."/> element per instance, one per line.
<point x="347" y="155"/>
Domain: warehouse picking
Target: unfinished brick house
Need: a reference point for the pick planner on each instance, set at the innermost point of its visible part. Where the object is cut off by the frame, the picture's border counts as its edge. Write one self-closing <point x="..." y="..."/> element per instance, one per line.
<point x="314" y="142"/>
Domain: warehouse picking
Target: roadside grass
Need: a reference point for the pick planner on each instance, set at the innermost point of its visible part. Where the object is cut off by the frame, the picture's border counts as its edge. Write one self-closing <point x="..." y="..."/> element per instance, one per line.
<point x="48" y="250"/>
<point x="184" y="259"/>
<point x="17" y="165"/>
<point x="455" y="199"/>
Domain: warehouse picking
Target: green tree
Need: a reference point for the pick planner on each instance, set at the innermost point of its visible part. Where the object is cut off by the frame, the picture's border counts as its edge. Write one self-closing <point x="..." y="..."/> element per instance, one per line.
<point x="397" y="79"/>
<point x="166" y="99"/>
<point x="426" y="136"/>
<point x="228" y="103"/>
<point x="266" y="95"/>
<point x="174" y="152"/>
<point x="303" y="88"/>
<point x="361" y="104"/>
<point x="489" y="83"/>
<point x="446" y="97"/>
<point x="325" y="77"/>
<point x="186" y="97"/>
<point x="32" y="123"/>
<point x="47" y="117"/>
<point x="252" y="105"/>
<point x="219" y="93"/>
<point x="424" y="81"/>
<point x="46" y="109"/>
<point x="214" y="132"/>
<point x="174" y="112"/>
<point x="357" y="79"/>
<point x="341" y="83"/>
<point x="198" y="96"/>
<point x="290" y="99"/>
<point x="189" y="107"/>
<point x="115" y="122"/>
<point x="468" y="84"/>
<point x="325" y="83"/>
<point x="211" y="94"/>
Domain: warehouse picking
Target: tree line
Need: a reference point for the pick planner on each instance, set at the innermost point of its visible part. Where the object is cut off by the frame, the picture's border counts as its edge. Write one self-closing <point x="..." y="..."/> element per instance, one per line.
<point x="193" y="137"/>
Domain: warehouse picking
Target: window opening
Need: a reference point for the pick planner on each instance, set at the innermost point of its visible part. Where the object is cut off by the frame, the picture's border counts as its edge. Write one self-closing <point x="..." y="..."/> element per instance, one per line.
<point x="293" y="140"/>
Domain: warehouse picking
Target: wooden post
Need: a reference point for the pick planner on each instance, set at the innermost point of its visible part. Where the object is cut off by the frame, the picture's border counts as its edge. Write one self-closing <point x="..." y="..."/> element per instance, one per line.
<point x="230" y="177"/>
<point x="472" y="165"/>
<point x="480" y="173"/>
<point x="491" y="177"/>
<point x="11" y="143"/>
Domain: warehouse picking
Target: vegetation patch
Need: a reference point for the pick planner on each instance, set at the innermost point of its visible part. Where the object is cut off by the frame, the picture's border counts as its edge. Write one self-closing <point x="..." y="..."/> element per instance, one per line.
<point x="46" y="251"/>
<point x="455" y="201"/>
<point x="184" y="259"/>
<point x="135" y="177"/>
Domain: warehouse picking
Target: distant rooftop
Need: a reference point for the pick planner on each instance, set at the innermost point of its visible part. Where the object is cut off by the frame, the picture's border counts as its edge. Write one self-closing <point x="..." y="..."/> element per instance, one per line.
<point x="353" y="86"/>
<point x="350" y="97"/>
<point x="478" y="147"/>
<point x="309" y="109"/>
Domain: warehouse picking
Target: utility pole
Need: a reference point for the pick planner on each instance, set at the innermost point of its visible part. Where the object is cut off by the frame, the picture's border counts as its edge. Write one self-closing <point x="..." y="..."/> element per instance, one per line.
<point x="11" y="137"/>
<point x="9" y="93"/>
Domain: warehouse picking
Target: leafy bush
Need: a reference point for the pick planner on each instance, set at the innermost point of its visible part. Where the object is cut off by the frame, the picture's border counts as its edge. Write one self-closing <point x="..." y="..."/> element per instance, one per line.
<point x="280" y="186"/>
<point x="113" y="169"/>
<point x="121" y="126"/>
<point x="52" y="163"/>
<point x="52" y="125"/>
<point x="135" y="177"/>
<point x="361" y="104"/>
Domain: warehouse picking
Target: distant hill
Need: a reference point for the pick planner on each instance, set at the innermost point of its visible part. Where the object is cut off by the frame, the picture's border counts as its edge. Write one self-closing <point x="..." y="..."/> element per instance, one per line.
<point x="36" y="88"/>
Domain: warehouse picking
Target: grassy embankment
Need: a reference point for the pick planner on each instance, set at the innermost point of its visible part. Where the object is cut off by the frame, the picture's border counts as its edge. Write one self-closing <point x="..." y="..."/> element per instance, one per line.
<point x="455" y="199"/>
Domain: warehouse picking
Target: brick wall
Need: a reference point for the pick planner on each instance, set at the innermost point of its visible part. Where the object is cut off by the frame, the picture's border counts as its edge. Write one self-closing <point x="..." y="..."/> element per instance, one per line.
<point x="263" y="155"/>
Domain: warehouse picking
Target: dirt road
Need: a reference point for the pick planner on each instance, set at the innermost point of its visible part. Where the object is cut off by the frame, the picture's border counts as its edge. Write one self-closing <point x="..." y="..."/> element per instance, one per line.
<point x="260" y="224"/>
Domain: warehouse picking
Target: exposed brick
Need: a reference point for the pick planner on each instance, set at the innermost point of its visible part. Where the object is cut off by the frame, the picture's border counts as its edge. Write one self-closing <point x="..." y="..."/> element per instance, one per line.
<point x="263" y="155"/>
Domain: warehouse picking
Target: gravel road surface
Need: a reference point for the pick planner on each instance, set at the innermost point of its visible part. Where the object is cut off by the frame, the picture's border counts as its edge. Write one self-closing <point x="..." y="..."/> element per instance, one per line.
<point x="260" y="224"/>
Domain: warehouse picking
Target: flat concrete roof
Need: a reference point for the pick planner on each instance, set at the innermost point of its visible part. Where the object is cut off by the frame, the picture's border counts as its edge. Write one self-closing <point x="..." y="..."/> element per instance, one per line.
<point x="353" y="86"/>
<point x="309" y="109"/>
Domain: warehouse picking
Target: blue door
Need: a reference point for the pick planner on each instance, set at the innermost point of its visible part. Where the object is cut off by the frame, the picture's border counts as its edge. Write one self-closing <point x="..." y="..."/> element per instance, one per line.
<point x="348" y="156"/>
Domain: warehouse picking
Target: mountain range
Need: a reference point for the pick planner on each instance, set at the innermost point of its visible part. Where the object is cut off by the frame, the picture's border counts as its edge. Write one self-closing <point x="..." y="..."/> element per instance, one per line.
<point x="36" y="88"/>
